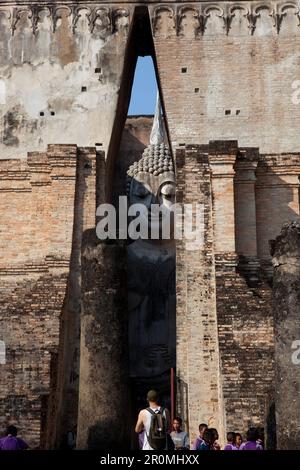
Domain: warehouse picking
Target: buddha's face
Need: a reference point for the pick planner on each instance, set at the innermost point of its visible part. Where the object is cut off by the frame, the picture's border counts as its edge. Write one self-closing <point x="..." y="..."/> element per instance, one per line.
<point x="157" y="194"/>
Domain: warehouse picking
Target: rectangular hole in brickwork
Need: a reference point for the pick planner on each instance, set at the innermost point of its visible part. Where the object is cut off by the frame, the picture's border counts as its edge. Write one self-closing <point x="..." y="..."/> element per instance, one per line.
<point x="83" y="88"/>
<point x="98" y="144"/>
<point x="183" y="69"/>
<point x="42" y="113"/>
<point x="98" y="70"/>
<point x="196" y="90"/>
<point x="52" y="113"/>
<point x="227" y="112"/>
<point x="237" y="111"/>
<point x="2" y="352"/>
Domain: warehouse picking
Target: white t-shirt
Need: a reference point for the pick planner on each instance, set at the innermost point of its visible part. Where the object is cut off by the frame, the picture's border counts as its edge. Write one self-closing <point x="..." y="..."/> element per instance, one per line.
<point x="180" y="439"/>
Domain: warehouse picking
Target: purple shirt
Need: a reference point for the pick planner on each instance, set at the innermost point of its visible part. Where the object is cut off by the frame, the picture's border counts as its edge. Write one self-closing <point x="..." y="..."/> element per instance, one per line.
<point x="250" y="445"/>
<point x="230" y="447"/>
<point x="141" y="439"/>
<point x="12" y="443"/>
<point x="197" y="443"/>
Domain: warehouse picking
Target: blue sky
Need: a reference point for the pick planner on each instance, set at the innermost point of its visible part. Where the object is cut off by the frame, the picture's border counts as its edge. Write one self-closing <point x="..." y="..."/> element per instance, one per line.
<point x="143" y="96"/>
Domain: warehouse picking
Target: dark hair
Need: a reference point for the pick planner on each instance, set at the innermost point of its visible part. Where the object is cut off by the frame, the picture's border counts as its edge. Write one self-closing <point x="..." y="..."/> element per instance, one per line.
<point x="177" y="418"/>
<point x="202" y="426"/>
<point x="153" y="396"/>
<point x="12" y="430"/>
<point x="231" y="436"/>
<point x="252" y="434"/>
<point x="209" y="436"/>
<point x="238" y="434"/>
<point x="215" y="433"/>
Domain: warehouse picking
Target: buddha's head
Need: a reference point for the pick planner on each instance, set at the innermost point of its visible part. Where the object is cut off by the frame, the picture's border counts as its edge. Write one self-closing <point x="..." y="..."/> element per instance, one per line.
<point x="150" y="181"/>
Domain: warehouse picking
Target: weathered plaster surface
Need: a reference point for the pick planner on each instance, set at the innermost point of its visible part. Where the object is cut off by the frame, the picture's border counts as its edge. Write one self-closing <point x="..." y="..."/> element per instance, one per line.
<point x="60" y="73"/>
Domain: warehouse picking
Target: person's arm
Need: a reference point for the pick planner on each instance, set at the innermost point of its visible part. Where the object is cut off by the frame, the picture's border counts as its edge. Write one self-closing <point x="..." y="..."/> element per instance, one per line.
<point x="140" y="422"/>
<point x="195" y="444"/>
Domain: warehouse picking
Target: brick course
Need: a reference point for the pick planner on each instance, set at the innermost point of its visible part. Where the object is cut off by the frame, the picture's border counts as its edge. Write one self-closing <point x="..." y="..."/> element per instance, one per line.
<point x="49" y="202"/>
<point x="225" y="363"/>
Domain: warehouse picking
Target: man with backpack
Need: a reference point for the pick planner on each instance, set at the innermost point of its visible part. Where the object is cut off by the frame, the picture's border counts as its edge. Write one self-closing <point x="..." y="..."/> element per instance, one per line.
<point x="155" y="421"/>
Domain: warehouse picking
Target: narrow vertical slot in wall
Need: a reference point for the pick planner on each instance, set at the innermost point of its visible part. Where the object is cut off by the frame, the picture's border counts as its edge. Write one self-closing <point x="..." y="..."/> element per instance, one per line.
<point x="140" y="167"/>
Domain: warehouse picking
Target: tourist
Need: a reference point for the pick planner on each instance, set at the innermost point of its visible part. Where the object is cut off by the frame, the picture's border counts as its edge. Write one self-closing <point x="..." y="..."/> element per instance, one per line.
<point x="179" y="437"/>
<point x="11" y="441"/>
<point x="231" y="438"/>
<point x="238" y="440"/>
<point x="208" y="440"/>
<point x="199" y="439"/>
<point x="261" y="437"/>
<point x="251" y="444"/>
<point x="215" y="434"/>
<point x="145" y="421"/>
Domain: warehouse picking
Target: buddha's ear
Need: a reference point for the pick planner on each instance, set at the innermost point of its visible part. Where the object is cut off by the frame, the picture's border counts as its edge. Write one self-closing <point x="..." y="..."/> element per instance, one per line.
<point x="167" y="187"/>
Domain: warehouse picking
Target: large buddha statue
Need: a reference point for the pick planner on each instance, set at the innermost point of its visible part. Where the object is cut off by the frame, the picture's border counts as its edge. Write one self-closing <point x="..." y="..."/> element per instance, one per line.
<point x="151" y="263"/>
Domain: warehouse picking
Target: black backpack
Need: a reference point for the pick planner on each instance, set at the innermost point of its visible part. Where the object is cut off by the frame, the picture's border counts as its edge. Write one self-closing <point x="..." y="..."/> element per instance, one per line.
<point x="157" y="437"/>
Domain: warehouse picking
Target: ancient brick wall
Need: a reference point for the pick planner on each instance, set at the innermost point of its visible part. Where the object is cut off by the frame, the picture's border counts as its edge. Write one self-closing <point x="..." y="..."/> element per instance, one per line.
<point x="246" y="341"/>
<point x="63" y="409"/>
<point x="266" y="195"/>
<point x="47" y="202"/>
<point x="212" y="295"/>
<point x="244" y="316"/>
<point x="61" y="66"/>
<point x="37" y="286"/>
<point x="104" y="395"/>
<point x="277" y="197"/>
<point x="245" y="204"/>
<point x="199" y="395"/>
<point x="42" y="201"/>
<point x="29" y="321"/>
<point x="227" y="71"/>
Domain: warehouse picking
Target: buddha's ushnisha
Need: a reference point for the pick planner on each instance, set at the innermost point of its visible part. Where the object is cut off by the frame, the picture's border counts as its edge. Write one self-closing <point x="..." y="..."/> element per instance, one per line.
<point x="156" y="159"/>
